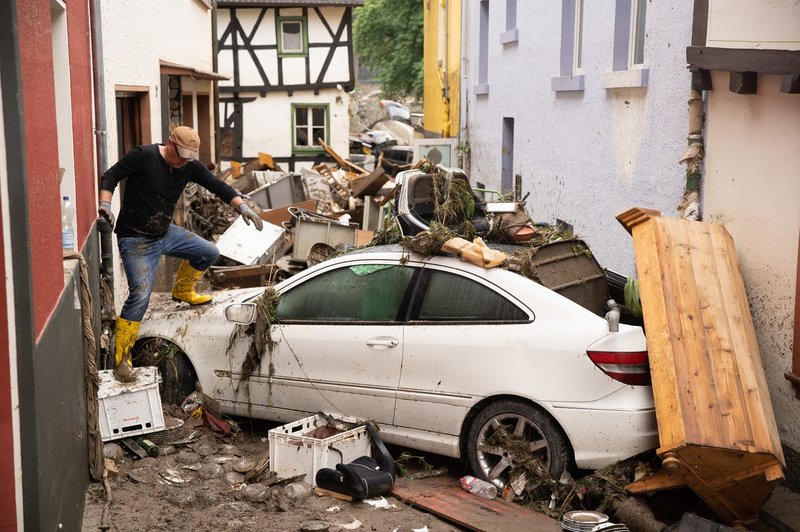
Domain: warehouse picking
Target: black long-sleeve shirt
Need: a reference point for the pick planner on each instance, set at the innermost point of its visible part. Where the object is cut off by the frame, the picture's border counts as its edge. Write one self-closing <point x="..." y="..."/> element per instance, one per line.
<point x="153" y="188"/>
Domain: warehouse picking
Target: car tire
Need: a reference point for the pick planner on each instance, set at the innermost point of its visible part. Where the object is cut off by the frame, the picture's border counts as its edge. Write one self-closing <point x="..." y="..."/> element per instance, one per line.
<point x="494" y="462"/>
<point x="178" y="377"/>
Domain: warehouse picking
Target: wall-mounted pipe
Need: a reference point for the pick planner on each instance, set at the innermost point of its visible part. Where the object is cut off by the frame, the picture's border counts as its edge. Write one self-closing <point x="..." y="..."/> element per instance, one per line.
<point x="101" y="136"/>
<point x="613" y="315"/>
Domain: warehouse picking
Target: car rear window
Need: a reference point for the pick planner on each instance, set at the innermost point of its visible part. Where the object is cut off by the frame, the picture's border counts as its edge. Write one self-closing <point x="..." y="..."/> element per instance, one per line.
<point x="451" y="297"/>
<point x="369" y="292"/>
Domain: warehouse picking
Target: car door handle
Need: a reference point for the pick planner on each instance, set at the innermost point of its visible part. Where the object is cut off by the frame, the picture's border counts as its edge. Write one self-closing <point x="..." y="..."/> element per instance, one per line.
<point x="383" y="341"/>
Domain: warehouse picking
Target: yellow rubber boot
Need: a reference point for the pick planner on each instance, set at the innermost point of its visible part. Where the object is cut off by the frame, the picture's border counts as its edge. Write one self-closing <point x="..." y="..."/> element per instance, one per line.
<point x="125" y="337"/>
<point x="184" y="286"/>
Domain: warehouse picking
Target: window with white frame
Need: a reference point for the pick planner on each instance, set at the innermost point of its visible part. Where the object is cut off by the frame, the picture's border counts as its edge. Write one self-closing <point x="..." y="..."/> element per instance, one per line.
<point x="292" y="39"/>
<point x="636" y="51"/>
<point x="577" y="48"/>
<point x="571" y="78"/>
<point x="310" y="125"/>
<point x="630" y="37"/>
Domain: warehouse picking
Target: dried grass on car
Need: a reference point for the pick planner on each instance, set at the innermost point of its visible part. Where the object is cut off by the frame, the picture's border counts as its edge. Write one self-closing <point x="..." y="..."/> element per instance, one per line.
<point x="260" y="332"/>
<point x="428" y="243"/>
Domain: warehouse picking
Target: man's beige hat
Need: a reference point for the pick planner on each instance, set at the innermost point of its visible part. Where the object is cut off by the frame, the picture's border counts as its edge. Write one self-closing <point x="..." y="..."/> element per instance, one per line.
<point x="186" y="141"/>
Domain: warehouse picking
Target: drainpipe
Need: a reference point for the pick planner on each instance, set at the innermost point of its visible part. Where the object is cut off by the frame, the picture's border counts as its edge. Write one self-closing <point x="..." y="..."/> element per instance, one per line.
<point x="101" y="137"/>
<point x="693" y="157"/>
<point x="613" y="315"/>
<point x="463" y="136"/>
<point x="215" y="83"/>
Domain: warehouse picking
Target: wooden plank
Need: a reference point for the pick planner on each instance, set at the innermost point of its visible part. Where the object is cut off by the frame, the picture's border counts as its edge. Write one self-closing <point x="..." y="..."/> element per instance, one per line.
<point x="715" y="323"/>
<point x="661" y="480"/>
<point x="699" y="22"/>
<point x="280" y="215"/>
<point x="669" y="410"/>
<point x="368" y="185"/>
<point x="690" y="357"/>
<point x="748" y="359"/>
<point x="442" y="496"/>
<point x="343" y="164"/>
<point x="322" y="492"/>
<point x="744" y="60"/>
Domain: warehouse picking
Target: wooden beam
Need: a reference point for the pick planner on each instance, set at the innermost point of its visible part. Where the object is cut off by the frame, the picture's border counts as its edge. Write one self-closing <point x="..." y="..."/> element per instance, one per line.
<point x="784" y="62"/>
<point x="743" y="82"/>
<point x="790" y="84"/>
<point x="659" y="481"/>
<point x="700" y="22"/>
<point x="701" y="80"/>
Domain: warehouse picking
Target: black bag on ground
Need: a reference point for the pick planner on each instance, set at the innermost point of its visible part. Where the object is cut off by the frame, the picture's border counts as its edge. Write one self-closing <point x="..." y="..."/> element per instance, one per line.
<point x="364" y="477"/>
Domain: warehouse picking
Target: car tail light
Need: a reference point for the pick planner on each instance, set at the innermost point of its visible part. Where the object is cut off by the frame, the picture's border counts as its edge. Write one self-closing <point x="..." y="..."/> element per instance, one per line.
<point x="624" y="366"/>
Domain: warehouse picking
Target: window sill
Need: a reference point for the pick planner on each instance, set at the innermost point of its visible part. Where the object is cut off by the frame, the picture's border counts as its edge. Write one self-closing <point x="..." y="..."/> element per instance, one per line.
<point x="623" y="79"/>
<point x="509" y="37"/>
<point x="481" y="89"/>
<point x="567" y="83"/>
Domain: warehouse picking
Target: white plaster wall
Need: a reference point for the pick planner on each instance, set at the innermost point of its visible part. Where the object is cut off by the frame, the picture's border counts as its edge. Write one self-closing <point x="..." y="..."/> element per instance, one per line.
<point x="267" y="122"/>
<point x="137" y="34"/>
<point x="751" y="186"/>
<point x="766" y="24"/>
<point x="588" y="155"/>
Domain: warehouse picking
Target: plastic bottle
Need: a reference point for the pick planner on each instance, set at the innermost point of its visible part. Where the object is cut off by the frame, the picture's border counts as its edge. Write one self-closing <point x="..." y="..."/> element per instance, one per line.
<point x="479" y="487"/>
<point x="67" y="224"/>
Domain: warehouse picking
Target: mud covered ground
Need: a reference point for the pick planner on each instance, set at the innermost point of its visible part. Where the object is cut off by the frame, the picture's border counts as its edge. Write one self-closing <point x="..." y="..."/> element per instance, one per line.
<point x="204" y="481"/>
<point x="199" y="486"/>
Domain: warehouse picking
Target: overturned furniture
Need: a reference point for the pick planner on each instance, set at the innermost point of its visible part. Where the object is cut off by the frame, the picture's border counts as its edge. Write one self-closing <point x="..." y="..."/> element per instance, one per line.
<point x="716" y="426"/>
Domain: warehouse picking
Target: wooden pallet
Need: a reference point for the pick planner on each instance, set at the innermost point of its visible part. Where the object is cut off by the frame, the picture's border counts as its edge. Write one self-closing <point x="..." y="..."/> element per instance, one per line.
<point x="716" y="426"/>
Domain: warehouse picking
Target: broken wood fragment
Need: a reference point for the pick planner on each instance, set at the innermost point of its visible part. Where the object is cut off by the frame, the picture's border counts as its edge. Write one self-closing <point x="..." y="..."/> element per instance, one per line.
<point x="343" y="163"/>
<point x="368" y="185"/>
<point x="111" y="467"/>
<point x="322" y="492"/>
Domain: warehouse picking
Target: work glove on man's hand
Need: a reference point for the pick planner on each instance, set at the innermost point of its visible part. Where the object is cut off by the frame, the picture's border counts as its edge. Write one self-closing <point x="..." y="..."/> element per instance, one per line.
<point x="104" y="210"/>
<point x="250" y="216"/>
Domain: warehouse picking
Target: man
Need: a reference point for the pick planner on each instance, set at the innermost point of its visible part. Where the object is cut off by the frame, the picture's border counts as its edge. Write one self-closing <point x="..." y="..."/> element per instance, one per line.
<point x="156" y="176"/>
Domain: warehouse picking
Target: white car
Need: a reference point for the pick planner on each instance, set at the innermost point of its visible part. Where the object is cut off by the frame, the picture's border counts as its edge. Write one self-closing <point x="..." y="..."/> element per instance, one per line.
<point x="440" y="353"/>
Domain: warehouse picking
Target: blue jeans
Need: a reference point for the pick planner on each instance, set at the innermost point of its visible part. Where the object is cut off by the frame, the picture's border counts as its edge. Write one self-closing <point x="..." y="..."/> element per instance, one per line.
<point x="140" y="256"/>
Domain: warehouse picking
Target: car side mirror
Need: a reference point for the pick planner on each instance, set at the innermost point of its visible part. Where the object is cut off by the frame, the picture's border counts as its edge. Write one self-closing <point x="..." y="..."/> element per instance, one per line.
<point x="243" y="313"/>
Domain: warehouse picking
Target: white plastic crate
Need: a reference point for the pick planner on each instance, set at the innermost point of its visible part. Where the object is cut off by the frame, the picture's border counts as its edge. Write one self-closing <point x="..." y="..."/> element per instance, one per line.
<point x="129" y="409"/>
<point x="292" y="452"/>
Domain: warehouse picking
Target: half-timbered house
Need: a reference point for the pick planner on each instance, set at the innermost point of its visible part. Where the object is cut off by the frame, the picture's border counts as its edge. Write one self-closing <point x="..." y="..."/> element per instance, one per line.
<point x="291" y="69"/>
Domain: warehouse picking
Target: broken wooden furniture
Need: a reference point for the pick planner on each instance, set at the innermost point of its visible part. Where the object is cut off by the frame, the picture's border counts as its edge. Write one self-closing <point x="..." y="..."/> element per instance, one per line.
<point x="716" y="426"/>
